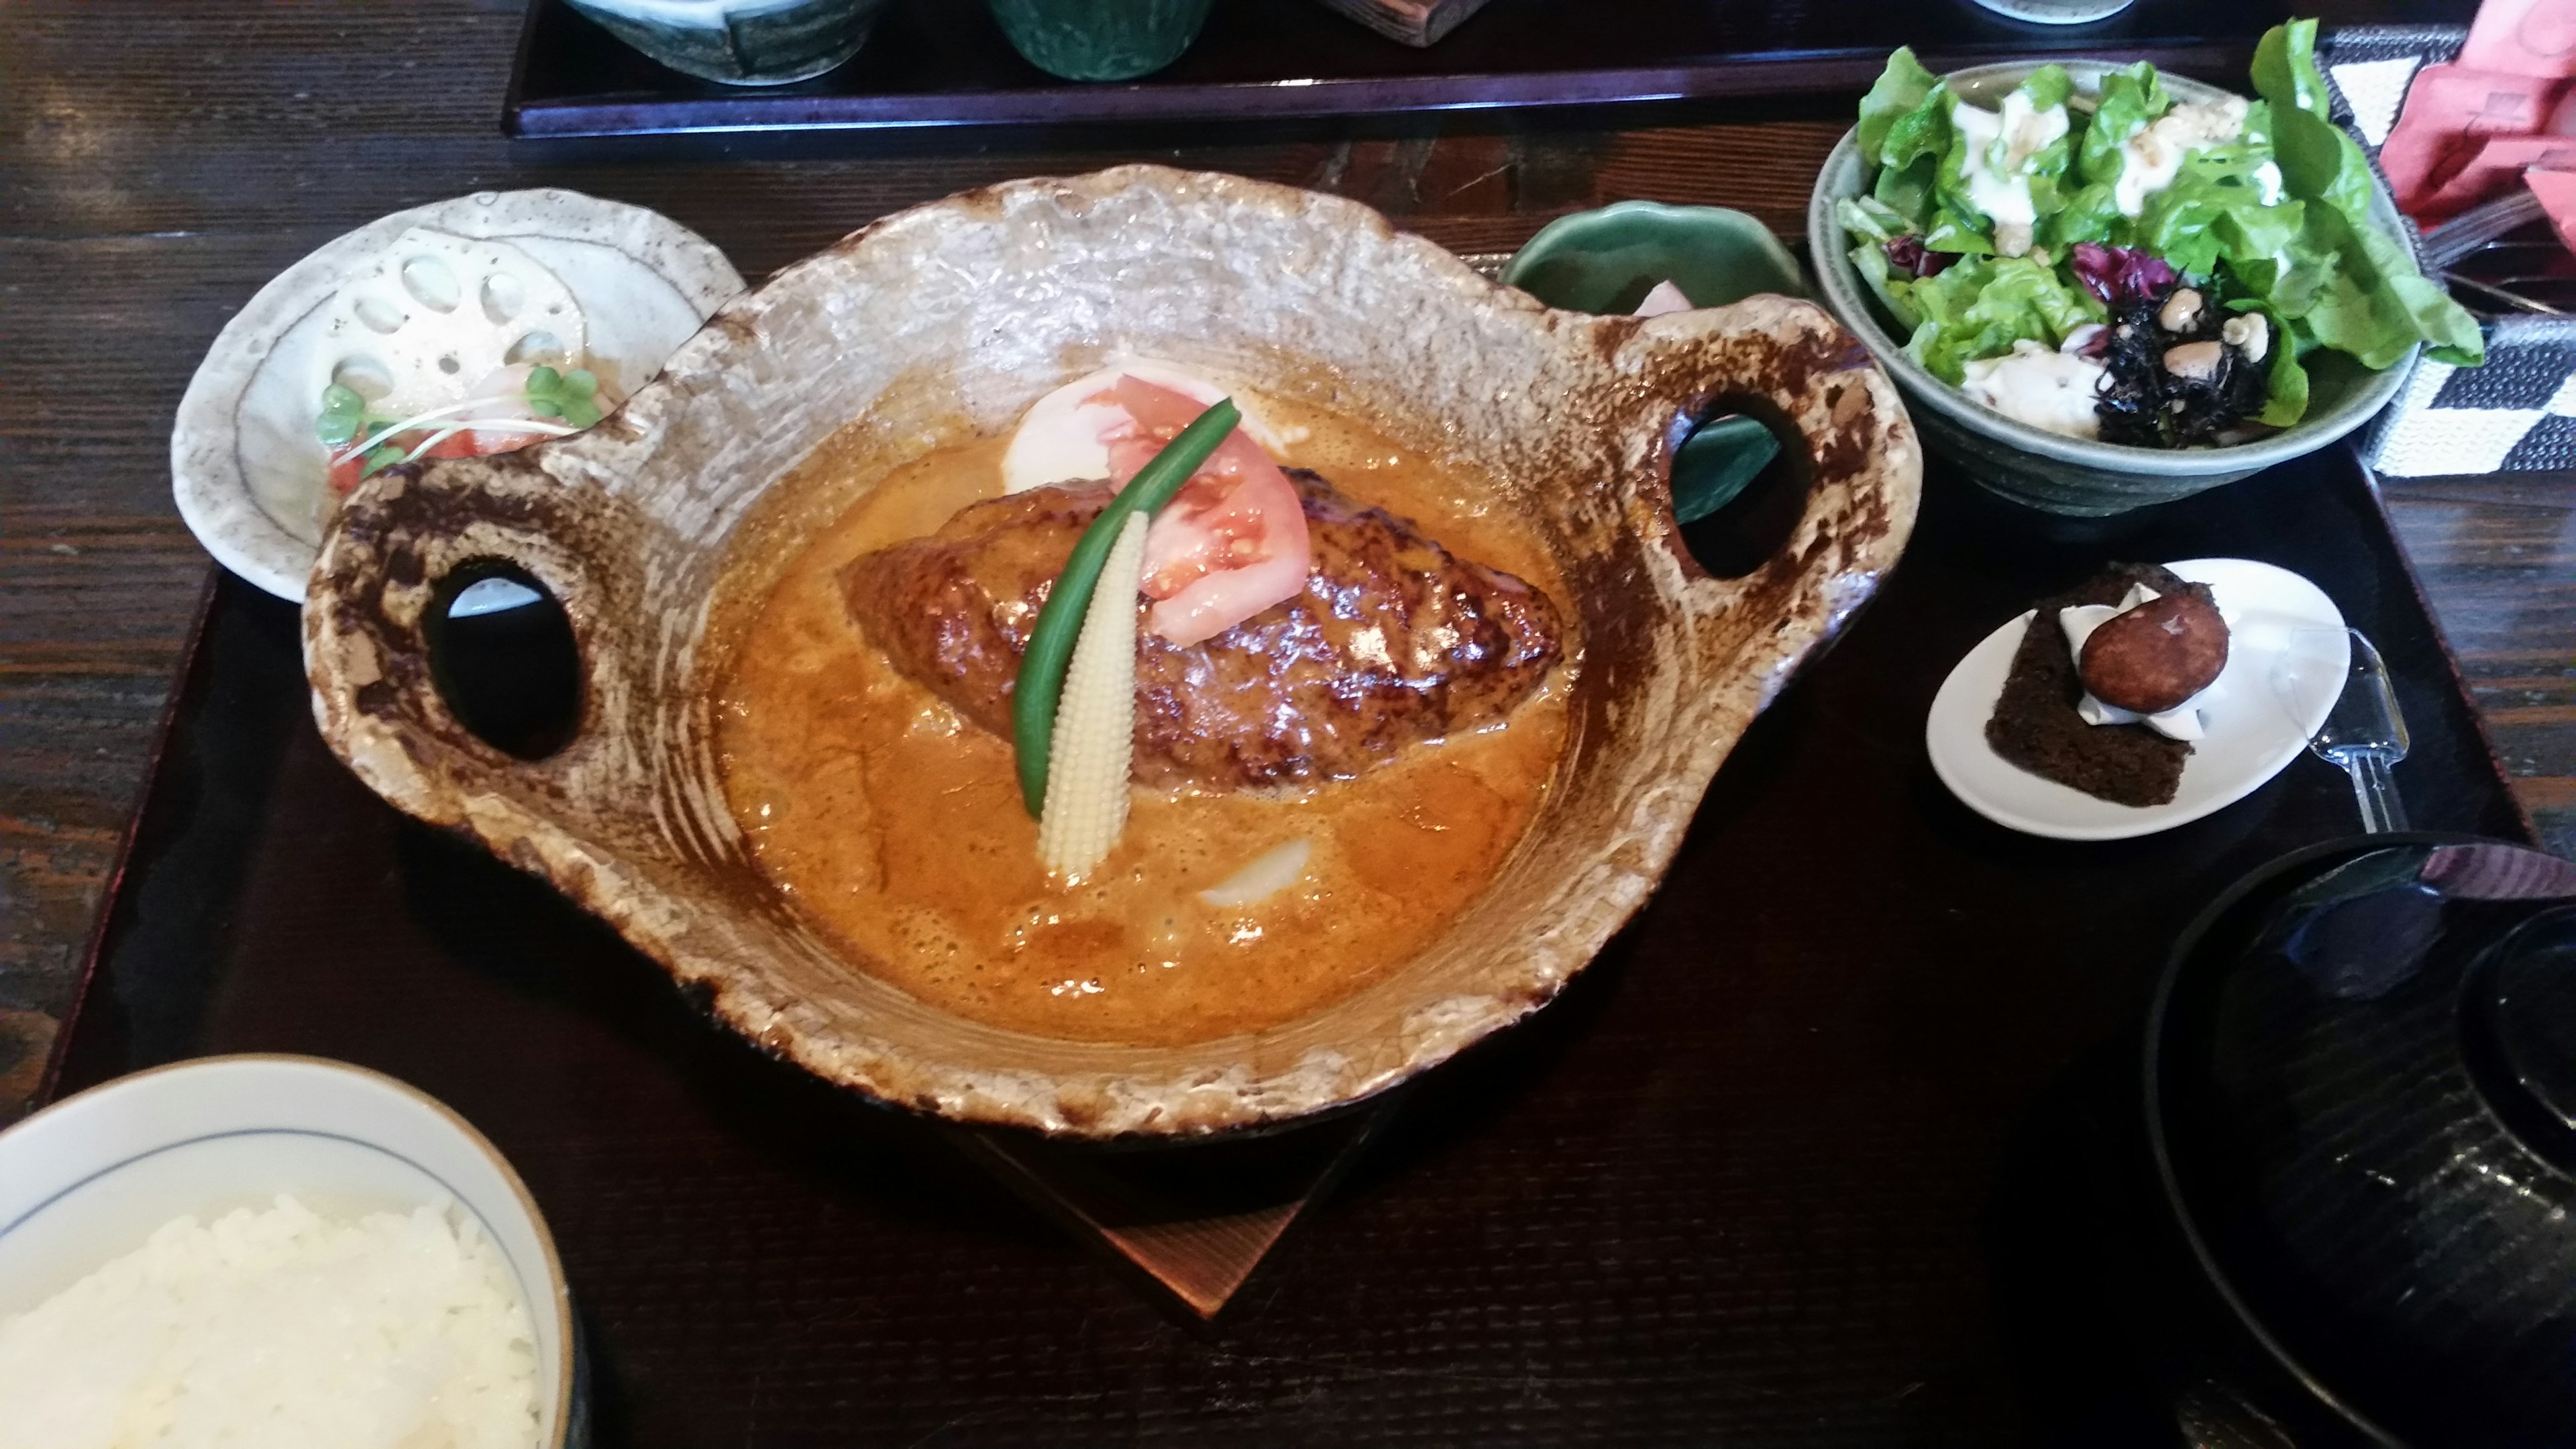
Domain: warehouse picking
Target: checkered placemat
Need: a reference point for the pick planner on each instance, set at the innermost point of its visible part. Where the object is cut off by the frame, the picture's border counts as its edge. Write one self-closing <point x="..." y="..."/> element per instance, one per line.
<point x="2517" y="413"/>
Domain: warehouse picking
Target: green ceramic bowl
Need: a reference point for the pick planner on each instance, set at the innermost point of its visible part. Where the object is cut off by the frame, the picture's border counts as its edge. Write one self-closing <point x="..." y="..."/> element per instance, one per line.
<point x="1101" y="40"/>
<point x="1605" y="261"/>
<point x="2050" y="471"/>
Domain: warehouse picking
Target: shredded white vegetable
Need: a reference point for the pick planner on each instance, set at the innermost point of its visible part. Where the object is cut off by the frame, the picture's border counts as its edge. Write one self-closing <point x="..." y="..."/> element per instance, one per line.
<point x="1090" y="751"/>
<point x="498" y="425"/>
<point x="380" y="436"/>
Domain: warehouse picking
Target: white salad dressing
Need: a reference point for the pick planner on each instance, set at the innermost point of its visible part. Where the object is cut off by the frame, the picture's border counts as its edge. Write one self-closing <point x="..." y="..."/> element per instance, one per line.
<point x="1997" y="185"/>
<point x="2039" y="386"/>
<point x="2182" y="722"/>
<point x="2153" y="157"/>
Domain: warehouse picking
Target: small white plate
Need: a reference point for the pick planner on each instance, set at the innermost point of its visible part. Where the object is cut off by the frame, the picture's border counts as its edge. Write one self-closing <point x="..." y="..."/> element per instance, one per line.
<point x="2287" y="654"/>
<point x="244" y="466"/>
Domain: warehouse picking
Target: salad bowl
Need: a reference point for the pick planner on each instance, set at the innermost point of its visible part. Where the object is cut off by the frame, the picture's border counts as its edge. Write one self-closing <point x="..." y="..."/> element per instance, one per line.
<point x="943" y="324"/>
<point x="2051" y="471"/>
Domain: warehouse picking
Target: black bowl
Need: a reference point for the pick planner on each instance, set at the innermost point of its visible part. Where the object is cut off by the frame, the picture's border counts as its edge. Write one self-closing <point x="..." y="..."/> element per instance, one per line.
<point x="2361" y="1100"/>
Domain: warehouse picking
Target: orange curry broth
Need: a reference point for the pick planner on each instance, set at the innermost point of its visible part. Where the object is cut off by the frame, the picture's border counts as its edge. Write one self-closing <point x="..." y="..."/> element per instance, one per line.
<point x="895" y="827"/>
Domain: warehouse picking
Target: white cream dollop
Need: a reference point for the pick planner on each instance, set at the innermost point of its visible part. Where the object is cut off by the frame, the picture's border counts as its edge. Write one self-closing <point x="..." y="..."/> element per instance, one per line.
<point x="2182" y="722"/>
<point x="1998" y="186"/>
<point x="2040" y="386"/>
<point x="2153" y="156"/>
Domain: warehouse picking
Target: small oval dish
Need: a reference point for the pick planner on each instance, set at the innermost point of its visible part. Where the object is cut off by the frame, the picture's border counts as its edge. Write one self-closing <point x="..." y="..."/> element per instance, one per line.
<point x="88" y="1180"/>
<point x="2050" y="471"/>
<point x="2286" y="664"/>
<point x="1605" y="260"/>
<point x="251" y="479"/>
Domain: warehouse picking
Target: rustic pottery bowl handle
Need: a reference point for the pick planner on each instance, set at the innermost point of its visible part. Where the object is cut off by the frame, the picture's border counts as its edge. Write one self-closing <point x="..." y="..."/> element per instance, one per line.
<point x="403" y="544"/>
<point x="1790" y="363"/>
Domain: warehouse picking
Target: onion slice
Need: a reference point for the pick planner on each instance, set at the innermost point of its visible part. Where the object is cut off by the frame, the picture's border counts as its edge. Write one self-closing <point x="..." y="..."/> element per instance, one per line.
<point x="1266" y="875"/>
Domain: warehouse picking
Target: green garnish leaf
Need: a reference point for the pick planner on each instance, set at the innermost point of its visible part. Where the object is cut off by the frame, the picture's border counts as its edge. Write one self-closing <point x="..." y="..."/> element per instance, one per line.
<point x="580" y="412"/>
<point x="580" y="382"/>
<point x="379" y="459"/>
<point x="543" y="381"/>
<point x="545" y="406"/>
<point x="343" y="416"/>
<point x="1040" y="684"/>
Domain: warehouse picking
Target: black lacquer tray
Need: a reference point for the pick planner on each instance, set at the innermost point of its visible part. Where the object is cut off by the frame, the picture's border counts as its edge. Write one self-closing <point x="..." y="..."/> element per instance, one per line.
<point x="945" y="63"/>
<point x="1831" y="1147"/>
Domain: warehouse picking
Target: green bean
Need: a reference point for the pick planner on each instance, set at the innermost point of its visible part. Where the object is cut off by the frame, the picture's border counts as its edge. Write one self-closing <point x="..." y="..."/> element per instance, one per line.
<point x="1041" y="679"/>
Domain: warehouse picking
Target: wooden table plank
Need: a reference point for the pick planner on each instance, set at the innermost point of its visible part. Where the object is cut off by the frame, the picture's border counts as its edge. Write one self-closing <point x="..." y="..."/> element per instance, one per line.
<point x="159" y="162"/>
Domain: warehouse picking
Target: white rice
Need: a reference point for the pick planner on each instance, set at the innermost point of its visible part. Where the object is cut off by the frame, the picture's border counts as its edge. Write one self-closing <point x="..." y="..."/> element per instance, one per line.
<point x="280" y="1329"/>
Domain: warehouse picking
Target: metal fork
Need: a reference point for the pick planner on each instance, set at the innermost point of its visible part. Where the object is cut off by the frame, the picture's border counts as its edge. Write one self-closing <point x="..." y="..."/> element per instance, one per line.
<point x="2365" y="734"/>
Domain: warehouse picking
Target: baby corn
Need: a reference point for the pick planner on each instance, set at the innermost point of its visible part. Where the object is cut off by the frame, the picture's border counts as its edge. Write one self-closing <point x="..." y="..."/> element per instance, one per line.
<point x="1095" y="723"/>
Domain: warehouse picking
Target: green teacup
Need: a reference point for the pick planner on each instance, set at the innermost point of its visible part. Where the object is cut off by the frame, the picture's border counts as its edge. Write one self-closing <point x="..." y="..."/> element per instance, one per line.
<point x="1101" y="40"/>
<point x="1605" y="261"/>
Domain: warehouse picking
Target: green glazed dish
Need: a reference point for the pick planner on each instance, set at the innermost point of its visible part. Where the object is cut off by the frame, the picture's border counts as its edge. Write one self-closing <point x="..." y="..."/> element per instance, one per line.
<point x="1101" y="40"/>
<point x="2048" y="471"/>
<point x="1605" y="261"/>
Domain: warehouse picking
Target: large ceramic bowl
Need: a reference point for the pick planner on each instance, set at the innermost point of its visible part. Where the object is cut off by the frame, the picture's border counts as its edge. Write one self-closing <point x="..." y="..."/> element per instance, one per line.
<point x="88" y="1179"/>
<point x="2049" y="470"/>
<point x="942" y="324"/>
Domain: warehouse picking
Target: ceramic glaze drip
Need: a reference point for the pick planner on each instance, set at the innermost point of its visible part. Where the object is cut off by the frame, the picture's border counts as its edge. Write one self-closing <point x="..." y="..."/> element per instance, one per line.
<point x="896" y="828"/>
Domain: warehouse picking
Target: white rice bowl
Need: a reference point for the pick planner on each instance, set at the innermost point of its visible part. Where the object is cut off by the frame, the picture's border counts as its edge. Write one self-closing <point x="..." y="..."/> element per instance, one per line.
<point x="275" y="1251"/>
<point x="280" y="1327"/>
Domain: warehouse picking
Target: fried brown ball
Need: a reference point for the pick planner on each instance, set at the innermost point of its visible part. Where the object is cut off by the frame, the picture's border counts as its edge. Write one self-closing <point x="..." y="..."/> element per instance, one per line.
<point x="2158" y="654"/>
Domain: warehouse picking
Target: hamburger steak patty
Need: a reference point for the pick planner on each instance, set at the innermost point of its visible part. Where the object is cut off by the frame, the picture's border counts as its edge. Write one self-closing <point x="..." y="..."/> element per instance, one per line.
<point x="1394" y="641"/>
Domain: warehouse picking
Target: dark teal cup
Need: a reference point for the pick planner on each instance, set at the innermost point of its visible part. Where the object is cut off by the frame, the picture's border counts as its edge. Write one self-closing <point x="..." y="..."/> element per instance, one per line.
<point x="1101" y="40"/>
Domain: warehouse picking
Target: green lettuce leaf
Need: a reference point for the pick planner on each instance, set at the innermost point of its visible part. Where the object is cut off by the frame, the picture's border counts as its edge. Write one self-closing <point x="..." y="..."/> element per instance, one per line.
<point x="2285" y="69"/>
<point x="2341" y="281"/>
<point x="1895" y="293"/>
<point x="2048" y="86"/>
<point x="1871" y="219"/>
<point x="2450" y="334"/>
<point x="1981" y="306"/>
<point x="2090" y="213"/>
<point x="1922" y="131"/>
<point x="2130" y="98"/>
<point x="1900" y="89"/>
<point x="2214" y="208"/>
<point x="2350" y="305"/>
<point x="1907" y="191"/>
<point x="2320" y="162"/>
<point x="1909" y="157"/>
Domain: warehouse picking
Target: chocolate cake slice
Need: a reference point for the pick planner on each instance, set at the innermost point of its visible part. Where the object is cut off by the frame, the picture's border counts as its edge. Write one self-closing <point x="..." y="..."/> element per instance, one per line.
<point x="2035" y="725"/>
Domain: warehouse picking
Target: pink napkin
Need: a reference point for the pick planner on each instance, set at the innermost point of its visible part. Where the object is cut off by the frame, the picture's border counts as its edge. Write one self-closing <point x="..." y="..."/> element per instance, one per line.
<point x="2557" y="193"/>
<point x="2472" y="128"/>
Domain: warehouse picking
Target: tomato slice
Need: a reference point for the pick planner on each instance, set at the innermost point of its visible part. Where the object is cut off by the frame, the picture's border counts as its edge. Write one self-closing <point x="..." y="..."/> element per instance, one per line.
<point x="1231" y="543"/>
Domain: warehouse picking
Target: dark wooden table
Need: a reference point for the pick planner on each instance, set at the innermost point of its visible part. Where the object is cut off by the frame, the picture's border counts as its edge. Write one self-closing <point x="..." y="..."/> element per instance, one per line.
<point x="159" y="161"/>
